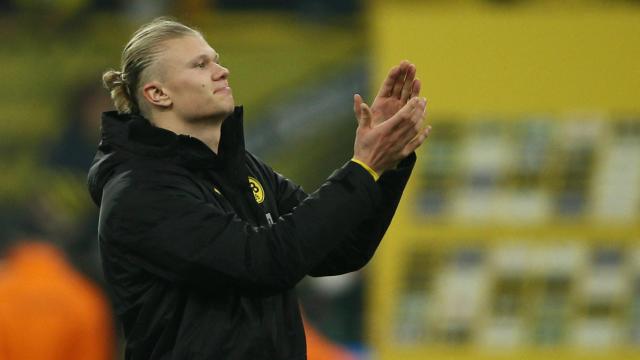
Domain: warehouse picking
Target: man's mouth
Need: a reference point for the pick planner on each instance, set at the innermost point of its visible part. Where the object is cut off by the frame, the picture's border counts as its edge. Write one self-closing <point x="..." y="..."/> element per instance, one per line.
<point x="222" y="89"/>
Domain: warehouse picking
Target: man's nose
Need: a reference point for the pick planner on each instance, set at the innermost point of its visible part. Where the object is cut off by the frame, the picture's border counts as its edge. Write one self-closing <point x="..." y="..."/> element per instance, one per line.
<point x="220" y="72"/>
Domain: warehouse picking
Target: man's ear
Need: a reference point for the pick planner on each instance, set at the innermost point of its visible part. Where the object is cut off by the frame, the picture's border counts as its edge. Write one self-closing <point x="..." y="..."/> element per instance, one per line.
<point x="155" y="94"/>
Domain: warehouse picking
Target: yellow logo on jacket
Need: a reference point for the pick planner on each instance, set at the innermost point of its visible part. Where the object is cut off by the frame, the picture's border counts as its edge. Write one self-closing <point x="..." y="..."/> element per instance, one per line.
<point x="256" y="189"/>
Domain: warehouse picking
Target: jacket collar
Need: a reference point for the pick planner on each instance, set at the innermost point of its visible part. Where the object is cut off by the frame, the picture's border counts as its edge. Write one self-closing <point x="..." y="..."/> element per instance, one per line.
<point x="137" y="135"/>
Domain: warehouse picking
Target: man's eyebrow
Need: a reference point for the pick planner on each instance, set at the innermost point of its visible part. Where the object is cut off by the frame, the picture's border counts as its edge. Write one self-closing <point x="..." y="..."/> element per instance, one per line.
<point x="205" y="57"/>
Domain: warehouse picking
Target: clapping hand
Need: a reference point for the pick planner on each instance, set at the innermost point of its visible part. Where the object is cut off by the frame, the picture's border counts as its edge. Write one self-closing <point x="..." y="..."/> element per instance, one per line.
<point x="392" y="127"/>
<point x="400" y="85"/>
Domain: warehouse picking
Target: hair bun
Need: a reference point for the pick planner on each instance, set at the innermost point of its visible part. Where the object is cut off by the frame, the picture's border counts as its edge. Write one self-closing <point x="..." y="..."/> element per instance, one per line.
<point x="112" y="79"/>
<point x="116" y="83"/>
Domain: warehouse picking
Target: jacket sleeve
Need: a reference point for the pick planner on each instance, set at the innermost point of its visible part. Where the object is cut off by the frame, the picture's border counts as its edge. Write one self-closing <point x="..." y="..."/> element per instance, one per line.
<point x="362" y="241"/>
<point x="166" y="228"/>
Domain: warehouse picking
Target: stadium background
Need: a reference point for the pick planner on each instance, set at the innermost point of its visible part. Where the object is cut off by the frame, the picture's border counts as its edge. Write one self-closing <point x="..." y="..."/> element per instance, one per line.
<point x="518" y="236"/>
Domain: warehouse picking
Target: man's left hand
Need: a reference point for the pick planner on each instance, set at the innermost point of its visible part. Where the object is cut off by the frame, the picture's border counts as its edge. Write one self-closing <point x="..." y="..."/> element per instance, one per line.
<point x="399" y="86"/>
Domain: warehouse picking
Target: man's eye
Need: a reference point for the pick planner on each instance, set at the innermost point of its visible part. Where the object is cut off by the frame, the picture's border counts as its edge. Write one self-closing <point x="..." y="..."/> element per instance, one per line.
<point x="201" y="65"/>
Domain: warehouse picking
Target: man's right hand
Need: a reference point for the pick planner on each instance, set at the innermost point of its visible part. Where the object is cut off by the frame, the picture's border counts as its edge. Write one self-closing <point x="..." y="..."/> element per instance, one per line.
<point x="382" y="146"/>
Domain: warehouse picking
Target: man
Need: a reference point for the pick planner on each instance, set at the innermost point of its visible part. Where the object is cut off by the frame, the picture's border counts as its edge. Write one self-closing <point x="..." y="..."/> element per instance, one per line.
<point x="202" y="242"/>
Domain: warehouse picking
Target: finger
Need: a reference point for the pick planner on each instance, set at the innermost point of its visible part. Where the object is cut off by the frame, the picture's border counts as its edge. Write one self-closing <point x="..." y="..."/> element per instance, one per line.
<point x="387" y="85"/>
<point x="398" y="84"/>
<point x="411" y="128"/>
<point x="408" y="83"/>
<point x="417" y="113"/>
<point x="415" y="87"/>
<point x="366" y="116"/>
<point x="416" y="141"/>
<point x="422" y="107"/>
<point x="357" y="102"/>
<point x="403" y="115"/>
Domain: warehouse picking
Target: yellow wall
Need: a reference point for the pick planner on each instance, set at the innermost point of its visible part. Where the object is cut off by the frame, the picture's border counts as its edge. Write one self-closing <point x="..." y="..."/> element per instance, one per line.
<point x="510" y="60"/>
<point x="479" y="60"/>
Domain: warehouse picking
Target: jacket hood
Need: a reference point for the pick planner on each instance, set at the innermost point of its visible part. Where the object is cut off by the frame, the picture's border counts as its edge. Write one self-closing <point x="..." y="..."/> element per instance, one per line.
<point x="127" y="136"/>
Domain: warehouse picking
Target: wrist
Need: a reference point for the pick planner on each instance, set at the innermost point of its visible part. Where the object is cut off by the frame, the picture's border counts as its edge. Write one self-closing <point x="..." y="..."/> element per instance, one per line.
<point x="368" y="168"/>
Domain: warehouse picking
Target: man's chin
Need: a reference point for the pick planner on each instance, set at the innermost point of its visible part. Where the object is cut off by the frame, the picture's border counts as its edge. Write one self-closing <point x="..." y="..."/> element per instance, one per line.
<point x="228" y="109"/>
<point x="226" y="105"/>
<point x="232" y="105"/>
<point x="224" y="112"/>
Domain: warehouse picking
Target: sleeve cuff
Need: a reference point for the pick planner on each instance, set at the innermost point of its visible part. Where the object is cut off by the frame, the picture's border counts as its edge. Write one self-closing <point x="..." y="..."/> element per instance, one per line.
<point x="366" y="167"/>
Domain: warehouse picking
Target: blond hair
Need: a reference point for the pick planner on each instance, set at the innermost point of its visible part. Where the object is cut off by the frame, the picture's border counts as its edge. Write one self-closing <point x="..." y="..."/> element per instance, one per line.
<point x="139" y="53"/>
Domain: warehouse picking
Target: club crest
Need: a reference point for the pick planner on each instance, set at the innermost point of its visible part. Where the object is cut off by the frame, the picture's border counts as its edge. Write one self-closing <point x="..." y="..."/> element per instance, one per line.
<point x="256" y="189"/>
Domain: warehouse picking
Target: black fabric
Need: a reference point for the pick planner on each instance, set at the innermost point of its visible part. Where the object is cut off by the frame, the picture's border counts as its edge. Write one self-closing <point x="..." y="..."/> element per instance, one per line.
<point x="196" y="269"/>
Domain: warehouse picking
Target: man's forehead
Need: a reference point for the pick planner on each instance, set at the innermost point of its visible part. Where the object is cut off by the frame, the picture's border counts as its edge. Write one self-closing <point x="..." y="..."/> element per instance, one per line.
<point x="188" y="48"/>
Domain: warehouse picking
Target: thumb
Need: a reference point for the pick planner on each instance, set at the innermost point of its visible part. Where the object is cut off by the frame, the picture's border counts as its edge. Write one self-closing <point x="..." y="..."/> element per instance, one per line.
<point x="357" y="101"/>
<point x="365" y="116"/>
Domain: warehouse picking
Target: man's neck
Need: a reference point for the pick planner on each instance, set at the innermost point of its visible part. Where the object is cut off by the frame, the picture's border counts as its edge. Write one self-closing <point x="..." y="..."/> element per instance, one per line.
<point x="208" y="131"/>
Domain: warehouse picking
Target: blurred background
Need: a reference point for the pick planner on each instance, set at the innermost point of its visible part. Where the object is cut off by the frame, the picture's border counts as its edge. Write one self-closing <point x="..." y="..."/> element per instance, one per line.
<point x="519" y="233"/>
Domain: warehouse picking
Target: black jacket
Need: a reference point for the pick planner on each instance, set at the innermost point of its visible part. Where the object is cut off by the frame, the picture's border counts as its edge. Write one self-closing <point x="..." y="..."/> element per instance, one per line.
<point x="202" y="251"/>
